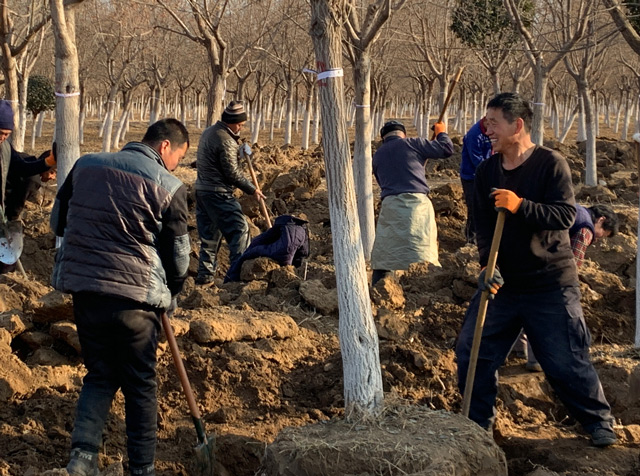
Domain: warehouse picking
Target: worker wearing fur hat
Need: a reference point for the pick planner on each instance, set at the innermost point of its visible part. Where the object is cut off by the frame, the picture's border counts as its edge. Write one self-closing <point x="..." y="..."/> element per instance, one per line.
<point x="218" y="212"/>
<point x="406" y="230"/>
<point x="16" y="169"/>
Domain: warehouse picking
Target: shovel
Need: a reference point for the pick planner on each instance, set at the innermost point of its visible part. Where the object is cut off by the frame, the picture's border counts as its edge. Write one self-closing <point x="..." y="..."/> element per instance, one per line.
<point x="11" y="242"/>
<point x="245" y="151"/>
<point x="482" y="314"/>
<point x="206" y="448"/>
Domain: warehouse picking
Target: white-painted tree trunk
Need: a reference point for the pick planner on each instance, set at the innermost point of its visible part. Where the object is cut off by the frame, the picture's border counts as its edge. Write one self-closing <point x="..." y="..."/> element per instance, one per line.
<point x="67" y="82"/>
<point x="362" y="158"/>
<point x="591" y="174"/>
<point x="315" y="134"/>
<point x="363" y="393"/>
<point x="567" y="125"/>
<point x="40" y="123"/>
<point x="34" y="131"/>
<point x="540" y="81"/>
<point x="288" y="115"/>
<point x="306" y="120"/>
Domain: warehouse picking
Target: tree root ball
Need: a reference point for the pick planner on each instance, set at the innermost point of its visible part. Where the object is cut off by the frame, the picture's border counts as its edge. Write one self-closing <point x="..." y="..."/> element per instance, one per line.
<point x="404" y="440"/>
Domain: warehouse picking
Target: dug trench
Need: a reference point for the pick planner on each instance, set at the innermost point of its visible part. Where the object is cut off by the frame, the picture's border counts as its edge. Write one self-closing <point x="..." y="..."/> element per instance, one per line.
<point x="263" y="354"/>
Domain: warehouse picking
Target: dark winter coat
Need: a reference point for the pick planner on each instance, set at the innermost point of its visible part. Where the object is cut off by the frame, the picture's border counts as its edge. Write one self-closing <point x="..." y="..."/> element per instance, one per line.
<point x="583" y="220"/>
<point x="15" y="167"/>
<point x="286" y="242"/>
<point x="217" y="162"/>
<point x="124" y="221"/>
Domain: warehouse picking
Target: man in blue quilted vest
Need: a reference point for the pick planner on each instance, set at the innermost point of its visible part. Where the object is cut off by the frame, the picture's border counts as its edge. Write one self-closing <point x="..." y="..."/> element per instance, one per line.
<point x="124" y="256"/>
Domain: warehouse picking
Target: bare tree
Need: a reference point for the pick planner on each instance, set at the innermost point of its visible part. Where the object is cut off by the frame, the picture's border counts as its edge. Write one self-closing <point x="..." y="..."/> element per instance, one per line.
<point x="557" y="26"/>
<point x="629" y="33"/>
<point x="20" y="22"/>
<point x="361" y="34"/>
<point x="208" y="32"/>
<point x="358" y="337"/>
<point x="438" y="46"/>
<point x="67" y="85"/>
<point x="582" y="65"/>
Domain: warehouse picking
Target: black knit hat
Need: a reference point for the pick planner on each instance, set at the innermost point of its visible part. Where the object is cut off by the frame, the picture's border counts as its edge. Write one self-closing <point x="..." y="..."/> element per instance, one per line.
<point x="392" y="126"/>
<point x="234" y="113"/>
<point x="6" y="115"/>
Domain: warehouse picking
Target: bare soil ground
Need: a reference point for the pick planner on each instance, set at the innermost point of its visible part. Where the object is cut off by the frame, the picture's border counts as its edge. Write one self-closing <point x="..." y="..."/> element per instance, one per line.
<point x="275" y="362"/>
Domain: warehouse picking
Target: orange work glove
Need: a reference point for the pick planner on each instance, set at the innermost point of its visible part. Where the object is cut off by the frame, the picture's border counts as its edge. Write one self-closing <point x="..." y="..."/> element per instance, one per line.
<point x="50" y="160"/>
<point x="439" y="127"/>
<point x="506" y="199"/>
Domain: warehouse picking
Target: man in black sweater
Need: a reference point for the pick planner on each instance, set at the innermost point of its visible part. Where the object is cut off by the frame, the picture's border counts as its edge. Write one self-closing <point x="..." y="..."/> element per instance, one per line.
<point x="541" y="292"/>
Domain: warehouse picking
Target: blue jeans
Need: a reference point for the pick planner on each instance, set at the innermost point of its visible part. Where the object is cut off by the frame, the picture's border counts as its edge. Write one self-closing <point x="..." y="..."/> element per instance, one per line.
<point x="119" y="339"/>
<point x="219" y="214"/>
<point x="555" y="326"/>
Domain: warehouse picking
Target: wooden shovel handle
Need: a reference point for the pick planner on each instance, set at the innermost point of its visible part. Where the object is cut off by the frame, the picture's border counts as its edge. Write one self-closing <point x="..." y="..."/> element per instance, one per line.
<point x="182" y="373"/>
<point x="482" y="314"/>
<point x="448" y="98"/>
<point x="263" y="206"/>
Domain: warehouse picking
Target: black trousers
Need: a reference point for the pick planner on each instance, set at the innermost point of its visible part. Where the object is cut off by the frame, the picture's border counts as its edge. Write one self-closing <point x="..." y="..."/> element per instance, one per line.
<point x="119" y="339"/>
<point x="219" y="214"/>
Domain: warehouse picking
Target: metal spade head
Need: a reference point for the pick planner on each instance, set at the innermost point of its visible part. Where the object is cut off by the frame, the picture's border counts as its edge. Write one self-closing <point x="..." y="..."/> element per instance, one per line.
<point x="11" y="242"/>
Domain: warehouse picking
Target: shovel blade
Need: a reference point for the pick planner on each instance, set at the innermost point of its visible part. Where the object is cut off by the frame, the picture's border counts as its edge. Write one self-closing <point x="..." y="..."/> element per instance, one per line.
<point x="11" y="244"/>
<point x="205" y="457"/>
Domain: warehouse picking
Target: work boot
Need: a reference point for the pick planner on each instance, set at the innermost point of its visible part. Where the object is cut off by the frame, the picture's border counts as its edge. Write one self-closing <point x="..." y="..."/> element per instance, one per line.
<point x="533" y="366"/>
<point x="146" y="471"/>
<point x="83" y="463"/>
<point x="603" y="437"/>
<point x="204" y="279"/>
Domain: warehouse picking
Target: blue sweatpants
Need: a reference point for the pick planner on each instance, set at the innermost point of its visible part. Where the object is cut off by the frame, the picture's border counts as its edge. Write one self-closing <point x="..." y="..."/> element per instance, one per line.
<point x="555" y="326"/>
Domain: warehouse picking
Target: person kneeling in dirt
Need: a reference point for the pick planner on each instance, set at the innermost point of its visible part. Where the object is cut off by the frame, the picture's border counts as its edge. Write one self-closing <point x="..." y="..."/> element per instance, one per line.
<point x="16" y="169"/>
<point x="591" y="225"/>
<point x="406" y="230"/>
<point x="124" y="257"/>
<point x="541" y="292"/>
<point x="218" y="212"/>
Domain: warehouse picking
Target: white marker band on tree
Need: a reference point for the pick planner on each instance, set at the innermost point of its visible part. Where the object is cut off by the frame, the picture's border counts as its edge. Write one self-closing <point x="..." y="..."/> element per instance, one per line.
<point x="67" y="95"/>
<point x="361" y="105"/>
<point x="331" y="73"/>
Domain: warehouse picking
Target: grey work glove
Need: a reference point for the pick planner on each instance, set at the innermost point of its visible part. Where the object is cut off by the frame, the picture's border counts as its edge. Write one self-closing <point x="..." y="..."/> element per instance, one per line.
<point x="493" y="284"/>
<point x="172" y="306"/>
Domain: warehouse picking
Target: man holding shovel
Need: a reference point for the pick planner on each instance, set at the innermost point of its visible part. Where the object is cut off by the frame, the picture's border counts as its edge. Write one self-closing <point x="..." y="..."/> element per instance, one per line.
<point x="218" y="212"/>
<point x="541" y="294"/>
<point x="124" y="258"/>
<point x="406" y="230"/>
<point x="15" y="169"/>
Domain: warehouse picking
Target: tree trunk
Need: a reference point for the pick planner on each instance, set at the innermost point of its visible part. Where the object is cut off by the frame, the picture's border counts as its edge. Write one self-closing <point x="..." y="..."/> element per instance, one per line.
<point x="306" y="120"/>
<point x="541" y="78"/>
<point x="581" y="135"/>
<point x="215" y="97"/>
<point x="362" y="166"/>
<point x="315" y="135"/>
<point x="625" y="120"/>
<point x="33" y="130"/>
<point x="567" y="125"/>
<point x="40" y="122"/>
<point x="358" y="336"/>
<point x="591" y="174"/>
<point x="68" y="87"/>
<point x="289" y="114"/>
